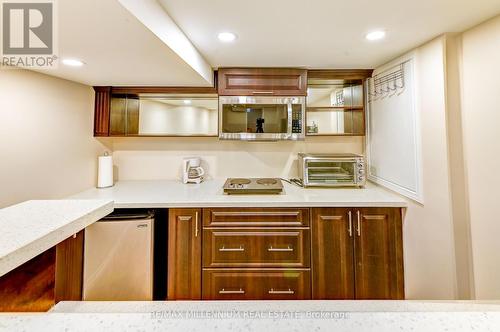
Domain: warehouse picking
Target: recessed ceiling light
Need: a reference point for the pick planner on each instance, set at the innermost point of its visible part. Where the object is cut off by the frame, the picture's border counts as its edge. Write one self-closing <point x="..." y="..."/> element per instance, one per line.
<point x="187" y="102"/>
<point x="226" y="37"/>
<point x="72" y="62"/>
<point x="375" y="35"/>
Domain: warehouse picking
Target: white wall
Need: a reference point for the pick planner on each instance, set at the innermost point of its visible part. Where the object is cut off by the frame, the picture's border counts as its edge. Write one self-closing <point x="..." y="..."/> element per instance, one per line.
<point x="428" y="228"/>
<point x="161" y="158"/>
<point x="46" y="144"/>
<point x="481" y="121"/>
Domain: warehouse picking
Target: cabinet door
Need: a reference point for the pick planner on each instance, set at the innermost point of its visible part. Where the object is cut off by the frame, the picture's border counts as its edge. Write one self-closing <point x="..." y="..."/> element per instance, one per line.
<point x="379" y="253"/>
<point x="332" y="247"/>
<point x="102" y="110"/>
<point x="184" y="254"/>
<point x="262" y="82"/>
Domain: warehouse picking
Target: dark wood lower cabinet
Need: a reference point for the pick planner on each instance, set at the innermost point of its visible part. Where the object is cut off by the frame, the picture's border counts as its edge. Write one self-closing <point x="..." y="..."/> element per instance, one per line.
<point x="69" y="268"/>
<point x="256" y="284"/>
<point x="243" y="254"/>
<point x="184" y="254"/>
<point x="379" y="254"/>
<point x="333" y="254"/>
<point x="29" y="287"/>
<point x="240" y="247"/>
<point x="357" y="253"/>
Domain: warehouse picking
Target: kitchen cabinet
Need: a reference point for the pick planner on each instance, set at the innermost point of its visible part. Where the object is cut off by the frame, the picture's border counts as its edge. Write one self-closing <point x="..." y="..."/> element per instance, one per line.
<point x="184" y="254"/>
<point x="333" y="254"/>
<point x="256" y="284"/>
<point x="52" y="276"/>
<point x="378" y="249"/>
<point x="335" y="103"/>
<point x="357" y="253"/>
<point x="253" y="253"/>
<point x="102" y="108"/>
<point x="154" y="111"/>
<point x="262" y="82"/>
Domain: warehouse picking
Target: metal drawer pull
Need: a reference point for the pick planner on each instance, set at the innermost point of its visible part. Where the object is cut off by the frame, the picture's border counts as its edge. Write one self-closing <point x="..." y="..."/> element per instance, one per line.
<point x="273" y="291"/>
<point x="184" y="218"/>
<point x="196" y="225"/>
<point x="350" y="223"/>
<point x="359" y="223"/>
<point x="279" y="249"/>
<point x="263" y="92"/>
<point x="232" y="249"/>
<point x="223" y="291"/>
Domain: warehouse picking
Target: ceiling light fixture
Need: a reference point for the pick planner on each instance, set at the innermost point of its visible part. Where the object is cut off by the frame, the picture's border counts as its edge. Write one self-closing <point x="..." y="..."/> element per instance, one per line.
<point x="376" y="35"/>
<point x="73" y="62"/>
<point x="226" y="37"/>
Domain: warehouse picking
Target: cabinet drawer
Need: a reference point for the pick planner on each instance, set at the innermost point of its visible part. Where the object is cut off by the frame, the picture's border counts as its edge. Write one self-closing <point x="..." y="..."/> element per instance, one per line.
<point x="262" y="82"/>
<point x="254" y="284"/>
<point x="251" y="217"/>
<point x="242" y="247"/>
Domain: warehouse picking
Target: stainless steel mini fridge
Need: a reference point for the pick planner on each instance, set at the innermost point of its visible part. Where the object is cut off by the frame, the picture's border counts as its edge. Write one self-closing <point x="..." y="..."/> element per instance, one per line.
<point x="118" y="258"/>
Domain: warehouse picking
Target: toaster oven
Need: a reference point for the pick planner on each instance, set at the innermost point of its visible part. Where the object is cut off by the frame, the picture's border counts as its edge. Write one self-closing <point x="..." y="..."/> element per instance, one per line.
<point x="331" y="170"/>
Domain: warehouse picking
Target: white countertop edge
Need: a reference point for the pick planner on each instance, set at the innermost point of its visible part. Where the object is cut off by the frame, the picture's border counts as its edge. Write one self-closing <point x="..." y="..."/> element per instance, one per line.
<point x="23" y="254"/>
<point x="280" y="316"/>
<point x="277" y="305"/>
<point x="209" y="194"/>
<point x="180" y="205"/>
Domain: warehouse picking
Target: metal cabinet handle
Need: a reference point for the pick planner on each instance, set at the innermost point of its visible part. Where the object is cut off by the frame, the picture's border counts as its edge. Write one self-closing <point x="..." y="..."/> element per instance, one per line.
<point x="184" y="218"/>
<point x="232" y="249"/>
<point x="263" y="92"/>
<point x="350" y="223"/>
<point x="279" y="249"/>
<point x="358" y="230"/>
<point x="273" y="291"/>
<point x="196" y="224"/>
<point x="239" y="291"/>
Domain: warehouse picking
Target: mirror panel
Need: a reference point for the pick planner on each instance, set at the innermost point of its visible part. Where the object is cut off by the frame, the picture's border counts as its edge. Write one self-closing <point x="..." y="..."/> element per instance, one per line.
<point x="335" y="107"/>
<point x="164" y="115"/>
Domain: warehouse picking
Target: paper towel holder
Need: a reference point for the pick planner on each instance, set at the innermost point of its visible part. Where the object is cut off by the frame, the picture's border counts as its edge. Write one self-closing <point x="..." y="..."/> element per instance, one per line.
<point x="105" y="171"/>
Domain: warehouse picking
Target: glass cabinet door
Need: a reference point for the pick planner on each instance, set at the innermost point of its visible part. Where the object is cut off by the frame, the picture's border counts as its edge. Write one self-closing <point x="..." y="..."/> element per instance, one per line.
<point x="335" y="107"/>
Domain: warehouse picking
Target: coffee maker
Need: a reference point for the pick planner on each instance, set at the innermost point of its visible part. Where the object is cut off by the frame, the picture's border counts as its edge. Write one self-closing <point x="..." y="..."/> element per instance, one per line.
<point x="192" y="172"/>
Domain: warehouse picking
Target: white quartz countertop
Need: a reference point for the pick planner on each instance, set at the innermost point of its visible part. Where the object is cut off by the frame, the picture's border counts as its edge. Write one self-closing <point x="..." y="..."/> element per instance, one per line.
<point x="277" y="316"/>
<point x="171" y="193"/>
<point x="29" y="228"/>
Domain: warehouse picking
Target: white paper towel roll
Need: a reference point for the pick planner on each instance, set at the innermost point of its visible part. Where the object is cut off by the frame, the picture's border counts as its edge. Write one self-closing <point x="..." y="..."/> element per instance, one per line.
<point x="105" y="171"/>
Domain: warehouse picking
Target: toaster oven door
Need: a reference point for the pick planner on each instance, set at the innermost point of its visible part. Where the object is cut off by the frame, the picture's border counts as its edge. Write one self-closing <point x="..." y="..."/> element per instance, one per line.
<point x="331" y="173"/>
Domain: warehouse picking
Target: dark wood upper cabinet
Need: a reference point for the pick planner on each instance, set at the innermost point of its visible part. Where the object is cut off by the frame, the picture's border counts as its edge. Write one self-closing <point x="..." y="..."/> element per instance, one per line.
<point x="184" y="254"/>
<point x="332" y="247"/>
<point x="379" y="254"/>
<point x="102" y="109"/>
<point x="262" y="82"/>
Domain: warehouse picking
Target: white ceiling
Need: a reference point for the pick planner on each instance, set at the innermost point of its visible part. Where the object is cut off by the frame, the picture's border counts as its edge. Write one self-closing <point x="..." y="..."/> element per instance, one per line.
<point x="116" y="47"/>
<point x="319" y="33"/>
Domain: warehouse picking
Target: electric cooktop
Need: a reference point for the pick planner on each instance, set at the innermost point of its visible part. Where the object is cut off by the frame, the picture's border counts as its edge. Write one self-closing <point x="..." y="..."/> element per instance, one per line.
<point x="256" y="186"/>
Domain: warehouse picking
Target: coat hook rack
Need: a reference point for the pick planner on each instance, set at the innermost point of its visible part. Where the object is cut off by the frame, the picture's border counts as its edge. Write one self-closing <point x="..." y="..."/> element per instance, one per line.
<point x="387" y="81"/>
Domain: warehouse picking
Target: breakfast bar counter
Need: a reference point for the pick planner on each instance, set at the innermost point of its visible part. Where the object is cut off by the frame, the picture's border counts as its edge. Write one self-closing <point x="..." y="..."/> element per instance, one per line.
<point x="237" y="316"/>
